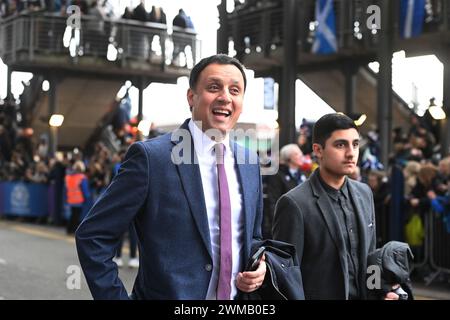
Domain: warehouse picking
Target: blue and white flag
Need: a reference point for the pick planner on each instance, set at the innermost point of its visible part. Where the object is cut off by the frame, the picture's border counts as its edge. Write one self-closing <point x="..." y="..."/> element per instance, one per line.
<point x="325" y="41"/>
<point x="412" y="14"/>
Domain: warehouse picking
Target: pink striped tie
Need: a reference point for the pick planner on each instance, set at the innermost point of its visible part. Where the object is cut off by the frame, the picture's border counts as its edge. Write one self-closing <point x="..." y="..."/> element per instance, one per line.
<point x="226" y="258"/>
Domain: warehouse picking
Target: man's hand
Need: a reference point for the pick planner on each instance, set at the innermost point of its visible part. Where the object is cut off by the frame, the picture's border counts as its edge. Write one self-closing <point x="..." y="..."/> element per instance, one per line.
<point x="392" y="295"/>
<point x="250" y="281"/>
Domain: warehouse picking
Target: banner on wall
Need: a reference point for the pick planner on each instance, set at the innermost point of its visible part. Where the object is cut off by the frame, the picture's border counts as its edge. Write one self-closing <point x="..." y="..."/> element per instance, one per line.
<point x="24" y="199"/>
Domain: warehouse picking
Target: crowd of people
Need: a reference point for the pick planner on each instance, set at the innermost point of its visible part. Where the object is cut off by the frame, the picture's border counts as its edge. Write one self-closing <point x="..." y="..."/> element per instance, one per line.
<point x="25" y="157"/>
<point x="76" y="177"/>
<point x="12" y="7"/>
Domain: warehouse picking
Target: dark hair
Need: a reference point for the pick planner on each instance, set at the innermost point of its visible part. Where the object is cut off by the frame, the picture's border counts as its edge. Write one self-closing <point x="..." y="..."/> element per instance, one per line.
<point x="326" y="125"/>
<point x="219" y="59"/>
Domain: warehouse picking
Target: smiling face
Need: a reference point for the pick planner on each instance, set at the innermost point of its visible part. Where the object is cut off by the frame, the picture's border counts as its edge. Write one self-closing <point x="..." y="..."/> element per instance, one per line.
<point x="217" y="99"/>
<point x="340" y="154"/>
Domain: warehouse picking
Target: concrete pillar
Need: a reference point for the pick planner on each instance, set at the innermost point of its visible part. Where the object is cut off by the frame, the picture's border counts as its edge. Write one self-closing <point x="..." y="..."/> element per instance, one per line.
<point x="141" y="99"/>
<point x="384" y="90"/>
<point x="286" y="100"/>
<point x="445" y="134"/>
<point x="9" y="96"/>
<point x="350" y="70"/>
<point x="52" y="109"/>
<point x="222" y="40"/>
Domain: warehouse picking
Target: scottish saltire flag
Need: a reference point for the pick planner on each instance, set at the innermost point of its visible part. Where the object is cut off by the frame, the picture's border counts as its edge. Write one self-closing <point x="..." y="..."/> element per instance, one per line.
<point x="412" y="14"/>
<point x="325" y="41"/>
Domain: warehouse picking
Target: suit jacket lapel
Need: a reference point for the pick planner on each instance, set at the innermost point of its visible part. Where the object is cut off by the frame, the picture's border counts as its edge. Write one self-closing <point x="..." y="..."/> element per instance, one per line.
<point x="362" y="225"/>
<point x="192" y="185"/>
<point x="244" y="182"/>
<point x="362" y="221"/>
<point x="330" y="218"/>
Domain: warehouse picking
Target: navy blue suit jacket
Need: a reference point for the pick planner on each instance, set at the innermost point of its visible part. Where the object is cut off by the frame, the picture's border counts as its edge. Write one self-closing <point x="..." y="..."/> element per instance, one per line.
<point x="166" y="202"/>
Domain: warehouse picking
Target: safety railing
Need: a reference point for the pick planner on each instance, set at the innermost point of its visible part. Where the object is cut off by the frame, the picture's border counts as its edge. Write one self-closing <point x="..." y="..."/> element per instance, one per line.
<point x="25" y="36"/>
<point x="435" y="251"/>
<point x="440" y="242"/>
<point x="256" y="28"/>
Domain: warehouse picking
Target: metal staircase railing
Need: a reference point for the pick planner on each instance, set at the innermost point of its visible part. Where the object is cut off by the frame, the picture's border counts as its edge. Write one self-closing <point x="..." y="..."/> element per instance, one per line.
<point x="25" y="36"/>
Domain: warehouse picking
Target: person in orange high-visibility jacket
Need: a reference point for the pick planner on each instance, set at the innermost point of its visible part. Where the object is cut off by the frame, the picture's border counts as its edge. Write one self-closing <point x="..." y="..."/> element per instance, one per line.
<point x="77" y="192"/>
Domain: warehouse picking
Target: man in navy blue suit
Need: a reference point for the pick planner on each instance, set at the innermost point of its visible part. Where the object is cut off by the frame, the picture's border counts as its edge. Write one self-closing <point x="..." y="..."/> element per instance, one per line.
<point x="172" y="189"/>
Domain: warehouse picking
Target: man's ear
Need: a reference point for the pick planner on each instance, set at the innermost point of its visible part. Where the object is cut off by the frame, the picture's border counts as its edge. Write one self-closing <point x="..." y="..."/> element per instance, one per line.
<point x="190" y="98"/>
<point x="317" y="149"/>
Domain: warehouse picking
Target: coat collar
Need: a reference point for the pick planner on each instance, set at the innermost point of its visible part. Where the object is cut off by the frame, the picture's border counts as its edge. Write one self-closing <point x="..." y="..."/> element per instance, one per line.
<point x="245" y="178"/>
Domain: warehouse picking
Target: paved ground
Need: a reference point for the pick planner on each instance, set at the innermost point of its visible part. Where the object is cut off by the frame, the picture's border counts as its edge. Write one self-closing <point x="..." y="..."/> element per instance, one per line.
<point x="40" y="262"/>
<point x="434" y="291"/>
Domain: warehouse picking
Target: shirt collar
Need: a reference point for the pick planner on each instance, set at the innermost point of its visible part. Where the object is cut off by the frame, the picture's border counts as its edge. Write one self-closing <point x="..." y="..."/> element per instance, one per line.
<point x="202" y="143"/>
<point x="332" y="192"/>
<point x="293" y="172"/>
